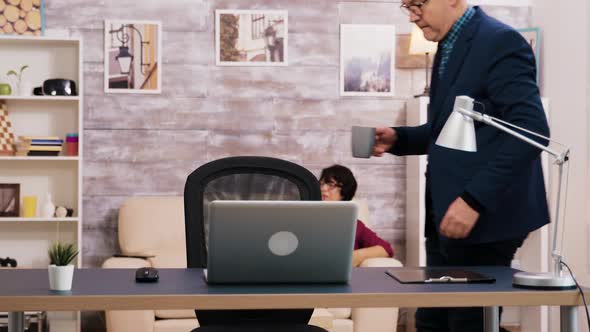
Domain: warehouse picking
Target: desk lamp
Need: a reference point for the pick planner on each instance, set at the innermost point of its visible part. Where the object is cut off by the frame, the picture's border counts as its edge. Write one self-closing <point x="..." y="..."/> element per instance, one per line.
<point x="459" y="134"/>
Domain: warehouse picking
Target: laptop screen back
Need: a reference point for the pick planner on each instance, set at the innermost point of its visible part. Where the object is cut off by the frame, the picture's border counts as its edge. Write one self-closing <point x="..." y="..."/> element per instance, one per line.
<point x="280" y="241"/>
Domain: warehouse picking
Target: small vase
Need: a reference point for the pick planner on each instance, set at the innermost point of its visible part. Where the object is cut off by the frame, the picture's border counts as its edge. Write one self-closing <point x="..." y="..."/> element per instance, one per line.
<point x="25" y="89"/>
<point x="60" y="277"/>
<point x="48" y="209"/>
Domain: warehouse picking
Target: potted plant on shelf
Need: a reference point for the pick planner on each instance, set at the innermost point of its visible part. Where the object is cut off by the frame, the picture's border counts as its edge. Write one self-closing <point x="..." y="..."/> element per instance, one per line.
<point x="61" y="272"/>
<point x="24" y="88"/>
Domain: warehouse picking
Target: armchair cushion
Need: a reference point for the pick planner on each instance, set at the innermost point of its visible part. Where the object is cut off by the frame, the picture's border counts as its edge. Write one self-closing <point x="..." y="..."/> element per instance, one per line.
<point x="381" y="262"/>
<point x="174" y="325"/>
<point x="125" y="263"/>
<point x="340" y="312"/>
<point x="144" y="230"/>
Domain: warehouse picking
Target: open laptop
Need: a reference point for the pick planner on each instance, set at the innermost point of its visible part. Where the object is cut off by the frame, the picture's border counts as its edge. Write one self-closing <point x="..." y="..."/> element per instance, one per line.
<point x="280" y="241"/>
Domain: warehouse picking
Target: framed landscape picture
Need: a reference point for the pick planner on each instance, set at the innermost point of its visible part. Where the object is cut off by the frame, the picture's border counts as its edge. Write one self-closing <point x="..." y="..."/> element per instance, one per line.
<point x="367" y="60"/>
<point x="251" y="37"/>
<point x="132" y="56"/>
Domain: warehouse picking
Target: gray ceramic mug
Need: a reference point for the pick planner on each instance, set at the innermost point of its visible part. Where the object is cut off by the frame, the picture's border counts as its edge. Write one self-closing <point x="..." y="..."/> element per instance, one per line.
<point x="362" y="141"/>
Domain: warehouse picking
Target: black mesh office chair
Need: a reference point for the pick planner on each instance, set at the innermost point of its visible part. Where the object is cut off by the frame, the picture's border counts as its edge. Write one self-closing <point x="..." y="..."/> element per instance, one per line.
<point x="243" y="178"/>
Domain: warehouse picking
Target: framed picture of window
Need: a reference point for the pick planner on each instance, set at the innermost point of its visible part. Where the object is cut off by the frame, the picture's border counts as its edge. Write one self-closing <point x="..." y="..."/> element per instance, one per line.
<point x="533" y="37"/>
<point x="132" y="56"/>
<point x="9" y="199"/>
<point x="251" y="37"/>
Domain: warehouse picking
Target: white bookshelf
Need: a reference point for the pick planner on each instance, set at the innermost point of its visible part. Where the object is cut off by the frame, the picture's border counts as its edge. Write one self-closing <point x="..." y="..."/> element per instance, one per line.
<point x="28" y="239"/>
<point x="42" y="98"/>
<point x="39" y="220"/>
<point x="23" y="158"/>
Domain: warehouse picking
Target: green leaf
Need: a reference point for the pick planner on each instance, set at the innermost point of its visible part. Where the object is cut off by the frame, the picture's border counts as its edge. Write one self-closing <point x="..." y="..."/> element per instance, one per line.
<point x="23" y="68"/>
<point x="62" y="254"/>
<point x="11" y="72"/>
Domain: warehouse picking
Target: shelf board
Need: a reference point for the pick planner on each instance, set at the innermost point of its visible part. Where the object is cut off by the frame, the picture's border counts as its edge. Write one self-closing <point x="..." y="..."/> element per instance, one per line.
<point x="40" y="158"/>
<point x="40" y="98"/>
<point x="37" y="220"/>
<point x="39" y="39"/>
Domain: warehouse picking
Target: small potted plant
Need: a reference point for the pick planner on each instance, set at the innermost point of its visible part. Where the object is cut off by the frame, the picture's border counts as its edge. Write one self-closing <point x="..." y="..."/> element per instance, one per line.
<point x="61" y="272"/>
<point x="23" y="90"/>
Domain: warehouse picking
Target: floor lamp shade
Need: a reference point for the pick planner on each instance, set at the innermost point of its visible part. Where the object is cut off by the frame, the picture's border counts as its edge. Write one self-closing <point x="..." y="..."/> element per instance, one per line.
<point x="419" y="44"/>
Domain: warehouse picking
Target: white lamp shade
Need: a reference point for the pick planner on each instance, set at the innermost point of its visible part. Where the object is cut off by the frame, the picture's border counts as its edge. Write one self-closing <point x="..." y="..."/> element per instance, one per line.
<point x="125" y="64"/>
<point x="459" y="130"/>
<point x="419" y="44"/>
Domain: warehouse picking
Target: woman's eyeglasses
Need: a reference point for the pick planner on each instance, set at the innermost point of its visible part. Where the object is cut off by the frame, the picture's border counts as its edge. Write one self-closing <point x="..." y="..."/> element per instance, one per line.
<point x="331" y="185"/>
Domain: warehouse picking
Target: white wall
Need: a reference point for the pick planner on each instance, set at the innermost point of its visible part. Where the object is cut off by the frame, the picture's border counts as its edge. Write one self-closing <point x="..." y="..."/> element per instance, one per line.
<point x="565" y="77"/>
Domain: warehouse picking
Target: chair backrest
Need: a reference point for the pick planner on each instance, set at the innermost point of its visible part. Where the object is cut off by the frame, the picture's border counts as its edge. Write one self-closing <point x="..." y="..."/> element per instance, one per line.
<point x="239" y="178"/>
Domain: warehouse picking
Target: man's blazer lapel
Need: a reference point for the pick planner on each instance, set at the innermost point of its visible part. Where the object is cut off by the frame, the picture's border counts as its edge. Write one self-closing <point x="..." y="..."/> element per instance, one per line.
<point x="458" y="54"/>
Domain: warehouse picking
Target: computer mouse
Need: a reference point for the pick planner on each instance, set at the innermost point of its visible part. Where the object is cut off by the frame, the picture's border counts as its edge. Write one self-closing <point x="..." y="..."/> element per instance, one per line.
<point x="146" y="274"/>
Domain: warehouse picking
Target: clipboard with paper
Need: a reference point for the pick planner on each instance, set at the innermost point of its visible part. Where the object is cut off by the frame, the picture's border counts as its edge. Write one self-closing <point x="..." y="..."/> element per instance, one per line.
<point x="438" y="276"/>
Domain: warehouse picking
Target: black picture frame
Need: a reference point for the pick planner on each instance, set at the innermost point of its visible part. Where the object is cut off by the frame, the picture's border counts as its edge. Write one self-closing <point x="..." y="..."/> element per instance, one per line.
<point x="9" y="199"/>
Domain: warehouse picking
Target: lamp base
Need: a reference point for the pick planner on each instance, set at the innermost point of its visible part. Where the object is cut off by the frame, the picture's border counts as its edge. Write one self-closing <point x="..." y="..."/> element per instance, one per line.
<point x="548" y="281"/>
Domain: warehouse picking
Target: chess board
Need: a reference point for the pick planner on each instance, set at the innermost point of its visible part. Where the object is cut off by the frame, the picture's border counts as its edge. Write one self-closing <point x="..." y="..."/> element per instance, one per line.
<point x="6" y="135"/>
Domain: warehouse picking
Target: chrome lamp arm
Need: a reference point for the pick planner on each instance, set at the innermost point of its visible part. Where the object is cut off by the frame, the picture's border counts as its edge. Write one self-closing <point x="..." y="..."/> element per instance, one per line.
<point x="532" y="280"/>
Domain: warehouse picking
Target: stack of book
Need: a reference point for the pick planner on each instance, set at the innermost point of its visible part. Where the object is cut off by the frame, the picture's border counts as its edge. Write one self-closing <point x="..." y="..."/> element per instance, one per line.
<point x="39" y="146"/>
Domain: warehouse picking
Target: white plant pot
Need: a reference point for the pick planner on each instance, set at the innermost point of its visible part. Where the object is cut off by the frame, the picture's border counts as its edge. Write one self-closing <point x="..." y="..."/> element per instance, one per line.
<point x="60" y="277"/>
<point x="25" y="89"/>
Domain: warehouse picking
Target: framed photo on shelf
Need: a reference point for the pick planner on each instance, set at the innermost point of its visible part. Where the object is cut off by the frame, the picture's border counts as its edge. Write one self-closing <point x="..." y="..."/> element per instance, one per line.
<point x="9" y="199"/>
<point x="533" y="37"/>
<point x="132" y="56"/>
<point x="26" y="17"/>
<point x="251" y="37"/>
<point x="367" y="60"/>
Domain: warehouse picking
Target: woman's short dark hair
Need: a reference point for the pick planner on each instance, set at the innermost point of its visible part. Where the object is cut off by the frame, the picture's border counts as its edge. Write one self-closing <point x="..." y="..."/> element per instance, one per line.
<point x="343" y="177"/>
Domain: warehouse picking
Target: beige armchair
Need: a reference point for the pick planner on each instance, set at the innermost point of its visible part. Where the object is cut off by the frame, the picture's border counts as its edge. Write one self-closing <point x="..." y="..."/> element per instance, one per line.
<point x="365" y="319"/>
<point x="151" y="233"/>
<point x="152" y="228"/>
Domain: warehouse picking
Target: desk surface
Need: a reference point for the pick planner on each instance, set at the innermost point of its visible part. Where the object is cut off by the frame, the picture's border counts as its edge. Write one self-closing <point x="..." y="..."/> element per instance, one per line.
<point x="116" y="289"/>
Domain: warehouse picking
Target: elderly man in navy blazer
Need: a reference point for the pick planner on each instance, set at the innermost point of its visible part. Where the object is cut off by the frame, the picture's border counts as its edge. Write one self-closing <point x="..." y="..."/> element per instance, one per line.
<point x="480" y="205"/>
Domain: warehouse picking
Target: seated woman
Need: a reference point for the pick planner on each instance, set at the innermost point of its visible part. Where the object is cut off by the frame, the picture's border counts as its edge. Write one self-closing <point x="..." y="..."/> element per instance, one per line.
<point x="337" y="183"/>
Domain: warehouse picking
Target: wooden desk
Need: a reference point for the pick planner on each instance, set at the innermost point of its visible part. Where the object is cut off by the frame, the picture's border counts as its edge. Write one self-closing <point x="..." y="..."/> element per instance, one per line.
<point x="116" y="289"/>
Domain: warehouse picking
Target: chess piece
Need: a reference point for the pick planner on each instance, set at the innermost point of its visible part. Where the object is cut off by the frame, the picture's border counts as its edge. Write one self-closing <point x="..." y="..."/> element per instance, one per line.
<point x="6" y="135"/>
<point x="61" y="212"/>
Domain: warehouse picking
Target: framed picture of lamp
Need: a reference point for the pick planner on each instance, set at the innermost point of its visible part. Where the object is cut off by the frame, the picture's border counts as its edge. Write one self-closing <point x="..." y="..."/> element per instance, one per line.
<point x="251" y="37"/>
<point x="132" y="56"/>
<point x="367" y="60"/>
<point x="9" y="199"/>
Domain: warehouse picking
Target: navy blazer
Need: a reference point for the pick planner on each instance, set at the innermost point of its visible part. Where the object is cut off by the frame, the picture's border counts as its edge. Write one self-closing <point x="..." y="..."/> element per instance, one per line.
<point x="492" y="63"/>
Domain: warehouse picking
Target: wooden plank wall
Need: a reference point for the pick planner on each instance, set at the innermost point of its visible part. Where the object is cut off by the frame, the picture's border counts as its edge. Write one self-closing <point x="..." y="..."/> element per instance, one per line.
<point x="138" y="145"/>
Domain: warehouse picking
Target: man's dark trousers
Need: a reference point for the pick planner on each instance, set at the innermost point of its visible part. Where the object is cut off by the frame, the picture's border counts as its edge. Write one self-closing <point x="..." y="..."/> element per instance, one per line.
<point x="439" y="254"/>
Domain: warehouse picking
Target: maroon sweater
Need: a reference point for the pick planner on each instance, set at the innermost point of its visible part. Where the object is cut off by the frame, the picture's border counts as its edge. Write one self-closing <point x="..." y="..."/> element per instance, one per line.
<point x="366" y="238"/>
